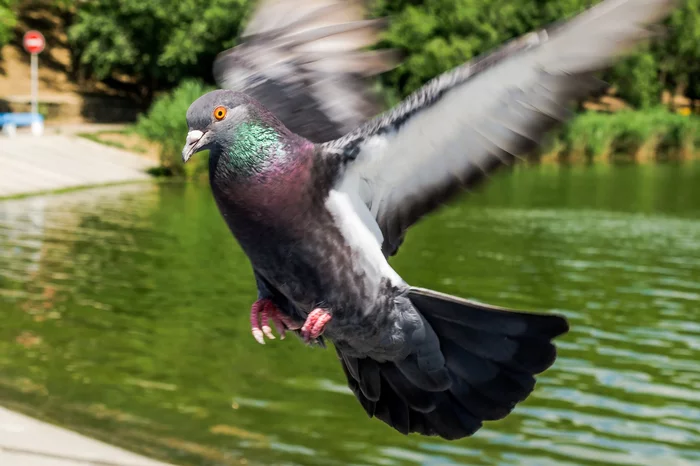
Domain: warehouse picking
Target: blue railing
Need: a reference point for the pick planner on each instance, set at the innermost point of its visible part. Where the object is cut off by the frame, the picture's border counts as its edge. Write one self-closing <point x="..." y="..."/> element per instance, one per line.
<point x="11" y="121"/>
<point x="20" y="119"/>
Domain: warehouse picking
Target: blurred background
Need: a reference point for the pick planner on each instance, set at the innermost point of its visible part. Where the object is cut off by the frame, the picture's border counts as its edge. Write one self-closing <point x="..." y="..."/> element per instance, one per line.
<point x="124" y="307"/>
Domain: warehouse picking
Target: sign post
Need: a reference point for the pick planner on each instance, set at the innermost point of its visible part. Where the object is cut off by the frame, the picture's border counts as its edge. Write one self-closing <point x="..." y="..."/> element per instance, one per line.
<point x="34" y="43"/>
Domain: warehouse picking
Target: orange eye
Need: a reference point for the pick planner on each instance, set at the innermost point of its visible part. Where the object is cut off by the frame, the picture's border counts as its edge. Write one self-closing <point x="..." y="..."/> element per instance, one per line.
<point x="219" y="113"/>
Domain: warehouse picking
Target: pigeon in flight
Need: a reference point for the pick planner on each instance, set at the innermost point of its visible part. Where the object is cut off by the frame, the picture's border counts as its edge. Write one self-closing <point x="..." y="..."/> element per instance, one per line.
<point x="320" y="192"/>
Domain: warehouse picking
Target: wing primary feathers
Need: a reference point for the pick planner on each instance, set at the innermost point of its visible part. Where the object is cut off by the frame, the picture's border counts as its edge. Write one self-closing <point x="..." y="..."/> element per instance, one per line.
<point x="487" y="113"/>
<point x="305" y="62"/>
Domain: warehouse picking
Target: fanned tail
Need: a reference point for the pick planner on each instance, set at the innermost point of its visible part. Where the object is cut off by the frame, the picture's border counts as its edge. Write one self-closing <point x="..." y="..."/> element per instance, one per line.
<point x="486" y="363"/>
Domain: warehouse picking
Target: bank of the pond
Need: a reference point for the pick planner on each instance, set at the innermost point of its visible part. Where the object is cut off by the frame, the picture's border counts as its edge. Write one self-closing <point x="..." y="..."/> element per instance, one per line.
<point x="627" y="135"/>
<point x="630" y="135"/>
<point x="27" y="441"/>
<point x="31" y="165"/>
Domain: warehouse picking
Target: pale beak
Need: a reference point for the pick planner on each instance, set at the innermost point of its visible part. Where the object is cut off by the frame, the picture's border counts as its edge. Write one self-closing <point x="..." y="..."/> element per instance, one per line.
<point x="191" y="144"/>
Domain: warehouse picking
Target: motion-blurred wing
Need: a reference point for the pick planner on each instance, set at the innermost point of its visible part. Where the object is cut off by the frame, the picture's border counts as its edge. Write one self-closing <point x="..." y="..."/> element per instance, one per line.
<point x="302" y="60"/>
<point x="467" y="122"/>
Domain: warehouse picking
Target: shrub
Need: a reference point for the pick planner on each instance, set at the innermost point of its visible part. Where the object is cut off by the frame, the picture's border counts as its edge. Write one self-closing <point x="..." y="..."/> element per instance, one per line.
<point x="8" y="20"/>
<point x="165" y="124"/>
<point x="632" y="135"/>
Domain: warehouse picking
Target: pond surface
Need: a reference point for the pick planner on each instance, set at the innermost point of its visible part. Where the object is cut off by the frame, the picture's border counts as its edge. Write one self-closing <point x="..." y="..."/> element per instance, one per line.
<point x="124" y="316"/>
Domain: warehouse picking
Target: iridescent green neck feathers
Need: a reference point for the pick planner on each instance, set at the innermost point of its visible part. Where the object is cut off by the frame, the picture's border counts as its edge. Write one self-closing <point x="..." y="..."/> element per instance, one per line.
<point x="254" y="145"/>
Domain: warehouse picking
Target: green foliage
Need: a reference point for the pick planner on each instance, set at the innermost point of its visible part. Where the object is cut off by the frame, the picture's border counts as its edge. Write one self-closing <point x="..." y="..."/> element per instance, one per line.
<point x="680" y="50"/>
<point x="630" y="134"/>
<point x="165" y="124"/>
<point x="8" y="20"/>
<point x="637" y="80"/>
<point x="440" y="34"/>
<point x="437" y="35"/>
<point x="588" y="135"/>
<point x="155" y="42"/>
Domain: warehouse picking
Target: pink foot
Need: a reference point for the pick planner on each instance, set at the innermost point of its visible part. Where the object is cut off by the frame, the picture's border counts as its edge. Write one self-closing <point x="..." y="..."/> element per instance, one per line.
<point x="315" y="324"/>
<point x="268" y="311"/>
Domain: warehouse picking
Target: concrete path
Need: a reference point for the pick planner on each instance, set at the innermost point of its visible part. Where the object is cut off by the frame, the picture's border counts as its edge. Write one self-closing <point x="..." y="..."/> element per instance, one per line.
<point x="30" y="164"/>
<point x="27" y="442"/>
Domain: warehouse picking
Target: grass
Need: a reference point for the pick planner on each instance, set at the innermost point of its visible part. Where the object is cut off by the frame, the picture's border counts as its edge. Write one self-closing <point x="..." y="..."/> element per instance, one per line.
<point x="126" y="139"/>
<point x="639" y="135"/>
<point x="68" y="190"/>
<point x="99" y="136"/>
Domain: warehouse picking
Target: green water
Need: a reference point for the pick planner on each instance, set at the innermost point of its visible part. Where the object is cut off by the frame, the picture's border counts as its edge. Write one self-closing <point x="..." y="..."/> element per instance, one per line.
<point x="124" y="316"/>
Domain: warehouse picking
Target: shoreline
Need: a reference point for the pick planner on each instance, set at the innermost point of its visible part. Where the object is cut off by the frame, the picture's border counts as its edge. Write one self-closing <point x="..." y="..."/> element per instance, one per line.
<point x="59" y="161"/>
<point x="27" y="440"/>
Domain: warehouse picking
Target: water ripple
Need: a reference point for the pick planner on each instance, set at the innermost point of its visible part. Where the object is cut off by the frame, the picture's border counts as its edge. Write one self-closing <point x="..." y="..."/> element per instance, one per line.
<point x="124" y="316"/>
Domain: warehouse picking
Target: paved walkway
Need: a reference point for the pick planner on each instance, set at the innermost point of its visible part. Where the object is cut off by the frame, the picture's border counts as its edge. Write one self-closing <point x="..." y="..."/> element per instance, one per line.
<point x="24" y="441"/>
<point x="30" y="164"/>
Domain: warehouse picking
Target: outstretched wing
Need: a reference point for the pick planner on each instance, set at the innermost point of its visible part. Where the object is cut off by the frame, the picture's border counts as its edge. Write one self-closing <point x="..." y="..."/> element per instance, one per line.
<point x="302" y="60"/>
<point x="459" y="127"/>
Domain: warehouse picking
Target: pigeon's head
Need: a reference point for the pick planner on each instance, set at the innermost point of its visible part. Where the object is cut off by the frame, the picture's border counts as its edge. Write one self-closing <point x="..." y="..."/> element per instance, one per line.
<point x="213" y="118"/>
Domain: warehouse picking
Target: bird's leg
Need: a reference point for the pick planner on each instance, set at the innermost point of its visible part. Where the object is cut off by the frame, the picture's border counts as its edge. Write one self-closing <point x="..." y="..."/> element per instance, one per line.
<point x="266" y="310"/>
<point x="315" y="324"/>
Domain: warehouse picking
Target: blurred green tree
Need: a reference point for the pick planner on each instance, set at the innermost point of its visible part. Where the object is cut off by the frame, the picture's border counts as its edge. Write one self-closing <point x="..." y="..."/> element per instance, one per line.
<point x="153" y="43"/>
<point x="8" y="20"/>
<point x="149" y="45"/>
<point x="440" y="34"/>
<point x="679" y="53"/>
<point x="637" y="79"/>
<point x="437" y="35"/>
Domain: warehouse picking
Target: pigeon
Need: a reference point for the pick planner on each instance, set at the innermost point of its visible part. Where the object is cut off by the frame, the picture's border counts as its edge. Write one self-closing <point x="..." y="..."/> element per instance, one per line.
<point x="319" y="207"/>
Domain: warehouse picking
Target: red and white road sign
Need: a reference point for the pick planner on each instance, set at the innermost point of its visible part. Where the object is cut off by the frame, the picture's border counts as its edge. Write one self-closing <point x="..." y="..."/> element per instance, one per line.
<point x="34" y="42"/>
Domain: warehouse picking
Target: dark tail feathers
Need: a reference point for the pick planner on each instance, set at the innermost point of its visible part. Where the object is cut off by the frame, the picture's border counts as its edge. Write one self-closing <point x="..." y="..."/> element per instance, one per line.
<point x="491" y="356"/>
